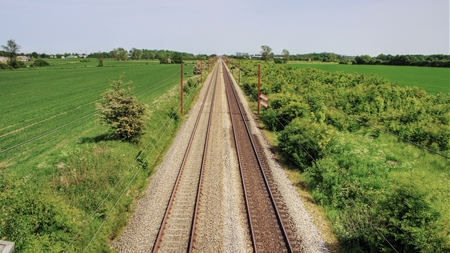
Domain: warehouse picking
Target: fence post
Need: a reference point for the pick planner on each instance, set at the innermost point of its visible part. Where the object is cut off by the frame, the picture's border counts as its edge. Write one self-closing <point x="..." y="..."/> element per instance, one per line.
<point x="239" y="71"/>
<point x="181" y="89"/>
<point x="259" y="85"/>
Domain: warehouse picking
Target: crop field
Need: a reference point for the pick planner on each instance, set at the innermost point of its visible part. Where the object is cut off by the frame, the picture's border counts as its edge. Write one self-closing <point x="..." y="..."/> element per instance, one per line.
<point x="37" y="101"/>
<point x="61" y="178"/>
<point x="433" y="80"/>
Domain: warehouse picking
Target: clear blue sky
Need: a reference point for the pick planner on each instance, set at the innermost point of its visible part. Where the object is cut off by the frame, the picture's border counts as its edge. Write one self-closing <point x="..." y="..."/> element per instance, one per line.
<point x="349" y="27"/>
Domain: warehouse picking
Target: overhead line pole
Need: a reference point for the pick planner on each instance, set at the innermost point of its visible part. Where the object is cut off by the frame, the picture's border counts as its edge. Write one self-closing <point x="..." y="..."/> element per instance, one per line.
<point x="239" y="71"/>
<point x="181" y="89"/>
<point x="259" y="85"/>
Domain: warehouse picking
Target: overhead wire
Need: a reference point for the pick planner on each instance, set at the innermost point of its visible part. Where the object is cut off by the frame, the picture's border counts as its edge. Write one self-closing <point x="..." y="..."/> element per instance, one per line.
<point x="76" y="120"/>
<point x="115" y="186"/>
<point x="354" y="204"/>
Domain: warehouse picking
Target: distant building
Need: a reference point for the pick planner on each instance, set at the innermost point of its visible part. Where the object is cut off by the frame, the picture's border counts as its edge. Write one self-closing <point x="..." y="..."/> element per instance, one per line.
<point x="63" y="57"/>
<point x="23" y="58"/>
<point x="3" y="59"/>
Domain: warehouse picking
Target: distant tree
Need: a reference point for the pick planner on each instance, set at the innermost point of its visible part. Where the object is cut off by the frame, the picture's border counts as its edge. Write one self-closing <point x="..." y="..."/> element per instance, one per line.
<point x="40" y="63"/>
<point x="122" y="54"/>
<point x="12" y="49"/>
<point x="286" y="56"/>
<point x="266" y="53"/>
<point x="34" y="55"/>
<point x="161" y="55"/>
<point x="113" y="54"/>
<point x="100" y="57"/>
<point x="278" y="60"/>
<point x="136" y="54"/>
<point x="148" y="54"/>
<point x="120" y="110"/>
<point x="177" y="58"/>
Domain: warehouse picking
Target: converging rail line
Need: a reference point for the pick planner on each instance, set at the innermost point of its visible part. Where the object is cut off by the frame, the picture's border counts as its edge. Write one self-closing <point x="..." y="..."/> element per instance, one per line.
<point x="266" y="223"/>
<point x="266" y="213"/>
<point x="176" y="233"/>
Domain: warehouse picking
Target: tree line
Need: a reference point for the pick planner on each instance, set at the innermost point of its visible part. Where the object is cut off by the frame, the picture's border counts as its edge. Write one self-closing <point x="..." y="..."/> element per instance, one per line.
<point x="435" y="60"/>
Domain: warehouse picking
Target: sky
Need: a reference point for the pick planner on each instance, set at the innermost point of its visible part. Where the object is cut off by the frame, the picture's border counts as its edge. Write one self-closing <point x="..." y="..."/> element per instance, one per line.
<point x="346" y="27"/>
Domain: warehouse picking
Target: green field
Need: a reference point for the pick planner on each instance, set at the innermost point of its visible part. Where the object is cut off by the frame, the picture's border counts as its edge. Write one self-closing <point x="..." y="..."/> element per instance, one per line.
<point x="62" y="190"/>
<point x="34" y="101"/>
<point x="433" y="80"/>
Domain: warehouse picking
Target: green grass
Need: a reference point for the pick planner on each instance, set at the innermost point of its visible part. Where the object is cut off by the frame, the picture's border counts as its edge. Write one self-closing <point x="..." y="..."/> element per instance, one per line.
<point x="433" y="80"/>
<point x="37" y="101"/>
<point x="52" y="186"/>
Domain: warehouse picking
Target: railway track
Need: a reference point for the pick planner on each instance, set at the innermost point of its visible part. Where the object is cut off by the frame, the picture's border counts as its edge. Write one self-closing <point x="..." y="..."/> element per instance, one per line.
<point x="176" y="233"/>
<point x="267" y="214"/>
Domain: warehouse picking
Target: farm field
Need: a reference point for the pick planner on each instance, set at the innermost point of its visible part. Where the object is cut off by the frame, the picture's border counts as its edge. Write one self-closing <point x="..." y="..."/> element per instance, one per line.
<point x="433" y="80"/>
<point x="37" y="101"/>
<point x="56" y="190"/>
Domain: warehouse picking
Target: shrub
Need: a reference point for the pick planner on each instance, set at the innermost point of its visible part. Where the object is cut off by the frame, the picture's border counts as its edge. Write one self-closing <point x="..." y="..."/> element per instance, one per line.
<point x="122" y="112"/>
<point x="40" y="63"/>
<point x="303" y="141"/>
<point x="4" y="66"/>
<point x="278" y="60"/>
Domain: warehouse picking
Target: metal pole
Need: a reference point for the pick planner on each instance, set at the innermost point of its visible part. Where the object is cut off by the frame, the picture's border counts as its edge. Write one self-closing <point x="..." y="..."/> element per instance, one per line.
<point x="201" y="72"/>
<point x="231" y="66"/>
<point x="181" y="89"/>
<point x="259" y="85"/>
<point x="239" y="71"/>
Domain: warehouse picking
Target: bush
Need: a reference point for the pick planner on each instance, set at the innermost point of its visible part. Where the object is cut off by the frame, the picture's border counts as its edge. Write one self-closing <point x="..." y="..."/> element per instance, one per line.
<point x="304" y="141"/>
<point x="278" y="60"/>
<point x="4" y="66"/>
<point x="122" y="112"/>
<point x="40" y="63"/>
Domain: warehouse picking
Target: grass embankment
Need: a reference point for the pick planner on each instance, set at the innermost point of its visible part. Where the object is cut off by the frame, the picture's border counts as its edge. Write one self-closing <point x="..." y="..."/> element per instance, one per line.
<point x="433" y="80"/>
<point x="375" y="190"/>
<point x="56" y="191"/>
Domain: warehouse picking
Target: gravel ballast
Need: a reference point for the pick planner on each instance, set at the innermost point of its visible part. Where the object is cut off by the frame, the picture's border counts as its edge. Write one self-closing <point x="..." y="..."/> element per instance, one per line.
<point x="222" y="224"/>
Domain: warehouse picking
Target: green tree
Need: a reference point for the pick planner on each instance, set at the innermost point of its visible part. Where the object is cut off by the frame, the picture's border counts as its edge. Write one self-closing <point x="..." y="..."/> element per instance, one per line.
<point x="12" y="48"/>
<point x="100" y="56"/>
<point x="286" y="56"/>
<point x="113" y="54"/>
<point x="177" y="58"/>
<point x="148" y="54"/>
<point x="136" y="54"/>
<point x="120" y="110"/>
<point x="266" y="53"/>
<point x="122" y="54"/>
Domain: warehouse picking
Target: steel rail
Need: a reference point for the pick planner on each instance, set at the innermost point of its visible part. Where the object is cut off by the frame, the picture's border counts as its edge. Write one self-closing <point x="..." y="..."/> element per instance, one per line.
<point x="180" y="172"/>
<point x="278" y="216"/>
<point x="241" y="173"/>
<point x="205" y="148"/>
